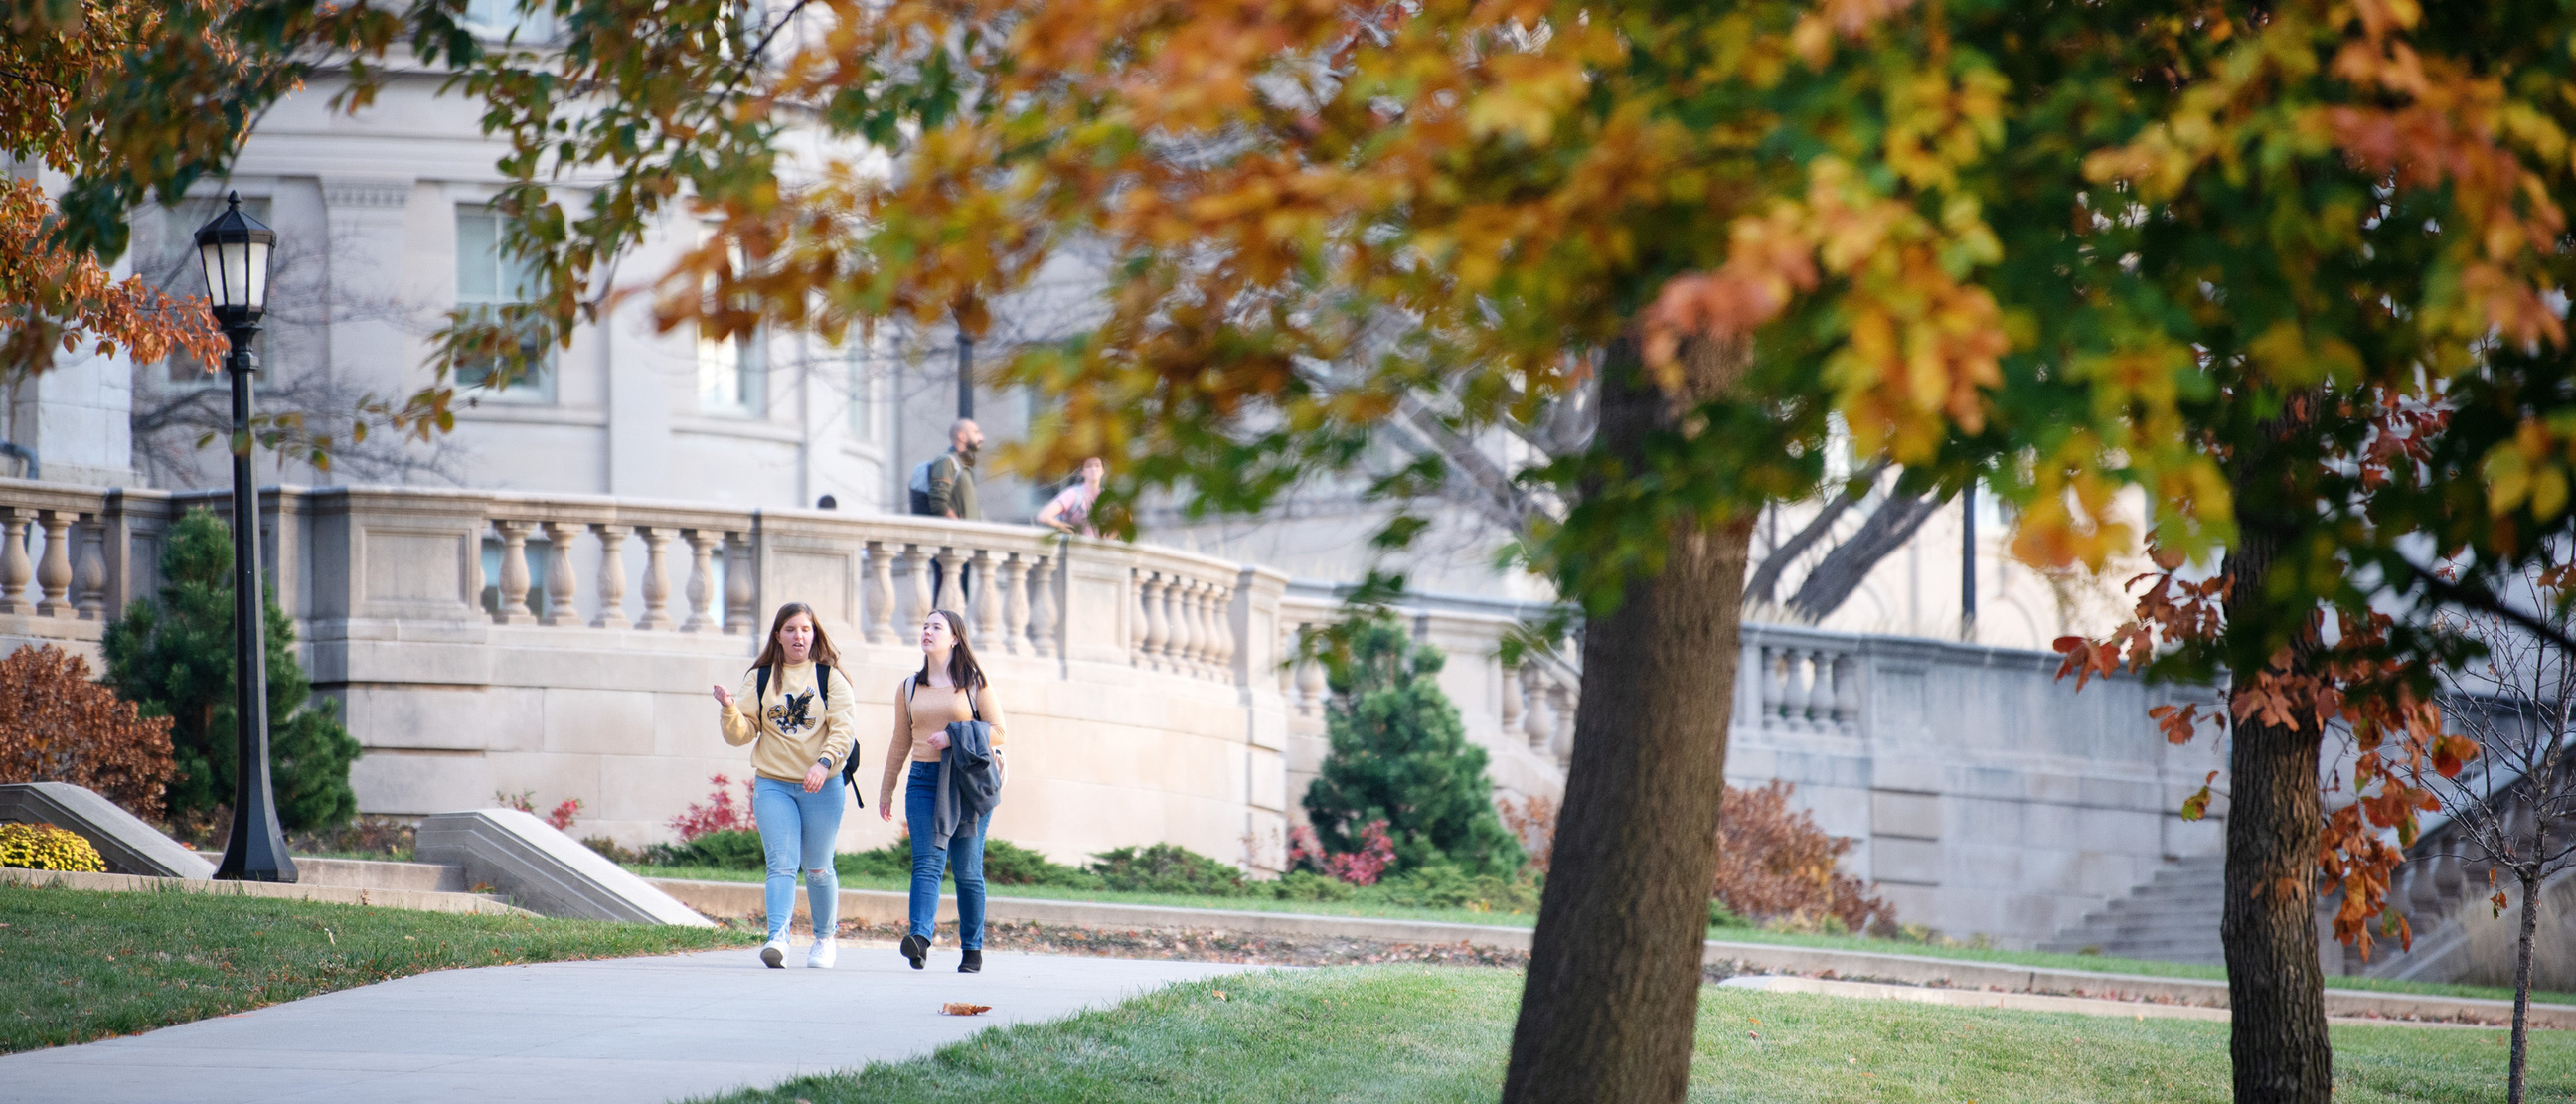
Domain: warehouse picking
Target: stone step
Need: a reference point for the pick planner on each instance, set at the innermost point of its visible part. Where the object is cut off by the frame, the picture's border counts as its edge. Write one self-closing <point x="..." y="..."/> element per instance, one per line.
<point x="2172" y="918"/>
<point x="372" y="874"/>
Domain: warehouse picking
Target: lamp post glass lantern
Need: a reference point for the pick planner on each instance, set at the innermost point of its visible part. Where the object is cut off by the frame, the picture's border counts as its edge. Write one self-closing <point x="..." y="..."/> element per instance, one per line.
<point x="236" y="250"/>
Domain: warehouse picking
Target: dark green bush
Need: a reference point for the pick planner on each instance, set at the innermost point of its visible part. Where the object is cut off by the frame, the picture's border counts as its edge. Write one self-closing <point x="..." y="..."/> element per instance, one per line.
<point x="1441" y="885"/>
<point x="1005" y="864"/>
<point x="1720" y="916"/>
<point x="730" y="849"/>
<point x="1306" y="885"/>
<point x="1400" y="754"/>
<point x="172" y="656"/>
<point x="1166" y="868"/>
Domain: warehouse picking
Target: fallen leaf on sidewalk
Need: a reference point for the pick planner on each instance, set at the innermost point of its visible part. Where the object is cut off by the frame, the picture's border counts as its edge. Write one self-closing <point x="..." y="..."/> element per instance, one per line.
<point x="960" y="1008"/>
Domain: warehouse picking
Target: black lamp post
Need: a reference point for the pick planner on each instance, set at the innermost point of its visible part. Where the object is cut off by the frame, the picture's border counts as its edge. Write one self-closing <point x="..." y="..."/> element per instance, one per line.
<point x="236" y="250"/>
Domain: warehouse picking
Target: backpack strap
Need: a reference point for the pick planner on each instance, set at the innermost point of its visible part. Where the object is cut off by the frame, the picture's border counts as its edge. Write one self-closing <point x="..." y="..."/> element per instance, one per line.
<point x="823" y="683"/>
<point x="759" y="692"/>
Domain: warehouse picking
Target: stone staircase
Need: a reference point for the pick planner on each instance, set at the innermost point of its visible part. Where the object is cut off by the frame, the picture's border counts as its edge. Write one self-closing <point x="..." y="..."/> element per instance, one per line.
<point x="2172" y="918"/>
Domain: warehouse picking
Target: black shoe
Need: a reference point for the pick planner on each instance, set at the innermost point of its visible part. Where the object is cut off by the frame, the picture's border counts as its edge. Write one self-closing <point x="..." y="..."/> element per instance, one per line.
<point x="916" y="948"/>
<point x="973" y="963"/>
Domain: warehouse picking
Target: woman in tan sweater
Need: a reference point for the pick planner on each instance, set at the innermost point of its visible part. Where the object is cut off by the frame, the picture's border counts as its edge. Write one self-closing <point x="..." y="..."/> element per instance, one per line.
<point x="799" y="729"/>
<point x="949" y="687"/>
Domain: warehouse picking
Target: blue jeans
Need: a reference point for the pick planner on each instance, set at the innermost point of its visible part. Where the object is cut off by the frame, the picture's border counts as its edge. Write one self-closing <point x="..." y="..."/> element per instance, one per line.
<point x="797" y="830"/>
<point x="930" y="859"/>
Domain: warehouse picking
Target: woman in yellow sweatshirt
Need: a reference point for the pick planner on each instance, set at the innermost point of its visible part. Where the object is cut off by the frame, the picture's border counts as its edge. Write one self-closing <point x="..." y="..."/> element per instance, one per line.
<point x="949" y="687"/>
<point x="799" y="740"/>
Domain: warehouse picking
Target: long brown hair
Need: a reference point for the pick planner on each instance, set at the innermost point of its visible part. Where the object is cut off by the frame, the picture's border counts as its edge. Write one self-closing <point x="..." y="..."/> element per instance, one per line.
<point x="962" y="668"/>
<point x="771" y="653"/>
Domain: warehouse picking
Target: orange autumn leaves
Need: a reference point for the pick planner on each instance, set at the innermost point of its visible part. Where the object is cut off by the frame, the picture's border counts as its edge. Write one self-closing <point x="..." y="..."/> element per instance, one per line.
<point x="53" y="301"/>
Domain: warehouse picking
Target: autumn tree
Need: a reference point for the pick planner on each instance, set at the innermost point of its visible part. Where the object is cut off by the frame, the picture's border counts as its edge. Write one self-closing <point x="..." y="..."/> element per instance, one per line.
<point x="2221" y="257"/>
<point x="2517" y="812"/>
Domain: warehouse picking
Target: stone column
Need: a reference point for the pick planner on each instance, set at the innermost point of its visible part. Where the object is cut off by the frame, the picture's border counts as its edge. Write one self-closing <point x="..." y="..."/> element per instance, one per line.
<point x="1042" y="611"/>
<point x="702" y="581"/>
<point x="89" y="569"/>
<point x="16" y="571"/>
<point x="612" y="576"/>
<point x="514" y="574"/>
<point x="879" y="621"/>
<point x="657" y="577"/>
<point x="1015" y="605"/>
<point x="54" y="572"/>
<point x="561" y="588"/>
<point x="739" y="591"/>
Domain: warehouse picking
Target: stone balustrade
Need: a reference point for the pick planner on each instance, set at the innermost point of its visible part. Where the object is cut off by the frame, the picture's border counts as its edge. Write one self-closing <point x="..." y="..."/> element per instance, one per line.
<point x="564" y="644"/>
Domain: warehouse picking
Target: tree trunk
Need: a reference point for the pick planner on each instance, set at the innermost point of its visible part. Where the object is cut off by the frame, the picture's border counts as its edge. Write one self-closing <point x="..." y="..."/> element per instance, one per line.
<point x="2522" y="964"/>
<point x="2275" y="824"/>
<point x="1612" y="999"/>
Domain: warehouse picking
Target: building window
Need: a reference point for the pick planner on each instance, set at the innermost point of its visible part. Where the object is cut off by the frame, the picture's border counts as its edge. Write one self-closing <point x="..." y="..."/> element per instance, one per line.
<point x="733" y="375"/>
<point x="501" y="20"/>
<point x="486" y="280"/>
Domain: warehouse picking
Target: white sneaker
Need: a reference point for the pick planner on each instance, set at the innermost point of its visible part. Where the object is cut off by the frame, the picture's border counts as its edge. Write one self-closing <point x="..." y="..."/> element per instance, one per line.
<point x="820" y="956"/>
<point x="773" y="954"/>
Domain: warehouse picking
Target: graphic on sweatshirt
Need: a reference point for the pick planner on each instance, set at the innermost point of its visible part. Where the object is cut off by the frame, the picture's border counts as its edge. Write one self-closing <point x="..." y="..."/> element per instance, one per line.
<point x="790" y="716"/>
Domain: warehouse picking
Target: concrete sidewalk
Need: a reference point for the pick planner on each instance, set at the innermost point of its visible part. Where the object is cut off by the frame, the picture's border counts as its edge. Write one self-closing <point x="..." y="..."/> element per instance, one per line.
<point x="623" y="1030"/>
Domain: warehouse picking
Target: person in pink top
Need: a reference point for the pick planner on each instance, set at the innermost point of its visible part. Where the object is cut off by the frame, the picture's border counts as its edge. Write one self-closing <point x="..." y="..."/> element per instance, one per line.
<point x="1070" y="510"/>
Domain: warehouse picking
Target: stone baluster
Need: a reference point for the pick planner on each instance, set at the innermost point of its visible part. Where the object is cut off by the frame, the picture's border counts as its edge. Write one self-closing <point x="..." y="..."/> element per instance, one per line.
<point x="1561" y="701"/>
<point x="916" y="567"/>
<point x="1015" y="604"/>
<point x="16" y="570"/>
<point x="1149" y="591"/>
<point x="1818" y="705"/>
<point x="657" y="576"/>
<point x="514" y="574"/>
<point x="1846" y="690"/>
<point x="1540" y="722"/>
<point x="702" y="581"/>
<point x="879" y="620"/>
<point x="1510" y="706"/>
<point x="89" y="568"/>
<point x="2422" y="896"/>
<point x="612" y="576"/>
<point x="1221" y="627"/>
<point x="1314" y="684"/>
<point x="739" y="585"/>
<point x="987" y="598"/>
<point x="1042" y="611"/>
<point x="561" y="587"/>
<point x="2448" y="879"/>
<point x="54" y="572"/>
<point x="1767" y="684"/>
<point x="1182" y="651"/>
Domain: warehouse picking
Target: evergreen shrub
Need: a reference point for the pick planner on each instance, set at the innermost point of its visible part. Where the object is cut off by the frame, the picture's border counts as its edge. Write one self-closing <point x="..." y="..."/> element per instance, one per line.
<point x="1400" y="754"/>
<point x="172" y="656"/>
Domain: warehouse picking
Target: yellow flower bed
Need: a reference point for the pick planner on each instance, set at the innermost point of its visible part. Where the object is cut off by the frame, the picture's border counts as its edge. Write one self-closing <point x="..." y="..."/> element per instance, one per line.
<point x="45" y="847"/>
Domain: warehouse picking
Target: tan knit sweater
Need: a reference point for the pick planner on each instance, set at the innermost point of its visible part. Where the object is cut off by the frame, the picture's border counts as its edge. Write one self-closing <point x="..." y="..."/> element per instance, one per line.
<point x="921" y="711"/>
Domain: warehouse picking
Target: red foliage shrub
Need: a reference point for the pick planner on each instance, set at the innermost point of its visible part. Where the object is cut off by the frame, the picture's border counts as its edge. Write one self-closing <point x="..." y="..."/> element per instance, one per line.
<point x="560" y="818"/>
<point x="1533" y="819"/>
<point x="1360" y="868"/>
<point x="1775" y="865"/>
<point x="58" y="726"/>
<point x="719" y="813"/>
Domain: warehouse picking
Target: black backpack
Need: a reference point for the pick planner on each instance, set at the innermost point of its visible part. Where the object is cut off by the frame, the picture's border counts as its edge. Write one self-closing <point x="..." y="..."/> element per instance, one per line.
<point x="823" y="687"/>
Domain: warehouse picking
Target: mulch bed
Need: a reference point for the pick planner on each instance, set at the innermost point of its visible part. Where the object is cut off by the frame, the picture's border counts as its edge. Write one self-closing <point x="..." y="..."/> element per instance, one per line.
<point x="1206" y="946"/>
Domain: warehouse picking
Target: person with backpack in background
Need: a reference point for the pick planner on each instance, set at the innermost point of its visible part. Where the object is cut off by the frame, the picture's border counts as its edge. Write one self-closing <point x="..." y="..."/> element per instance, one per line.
<point x="1070" y="510"/>
<point x="948" y="728"/>
<point x="944" y="486"/>
<point x="799" y="725"/>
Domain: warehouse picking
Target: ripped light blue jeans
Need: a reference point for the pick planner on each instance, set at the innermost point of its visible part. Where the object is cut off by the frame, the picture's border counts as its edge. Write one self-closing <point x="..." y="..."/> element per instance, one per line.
<point x="797" y="830"/>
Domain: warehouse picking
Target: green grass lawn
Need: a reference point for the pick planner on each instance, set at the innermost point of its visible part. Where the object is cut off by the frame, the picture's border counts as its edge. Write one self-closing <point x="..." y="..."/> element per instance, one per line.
<point x="79" y="966"/>
<point x="1961" y="951"/>
<point x="1116" y="897"/>
<point x="1413" y="1034"/>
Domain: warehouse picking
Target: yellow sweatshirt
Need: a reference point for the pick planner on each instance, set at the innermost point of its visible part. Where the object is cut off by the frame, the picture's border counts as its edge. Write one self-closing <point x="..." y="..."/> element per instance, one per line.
<point x="792" y="728"/>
